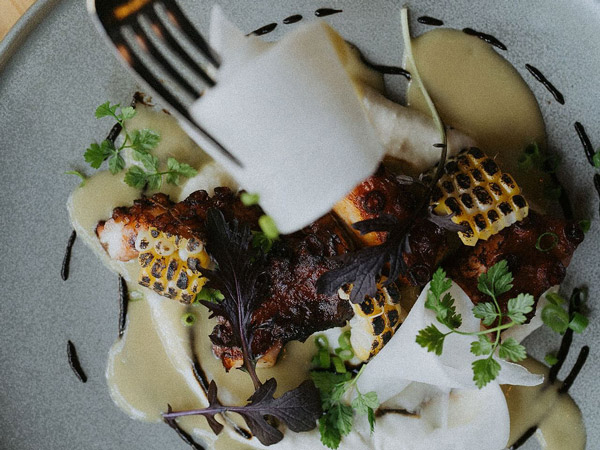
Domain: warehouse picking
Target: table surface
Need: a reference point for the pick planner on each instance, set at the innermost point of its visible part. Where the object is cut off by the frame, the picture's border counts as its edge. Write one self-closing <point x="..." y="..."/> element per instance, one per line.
<point x="10" y="11"/>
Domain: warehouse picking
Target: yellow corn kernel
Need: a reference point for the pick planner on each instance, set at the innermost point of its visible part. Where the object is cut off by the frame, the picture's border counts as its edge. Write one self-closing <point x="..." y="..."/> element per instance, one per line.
<point x="171" y="265"/>
<point x="480" y="196"/>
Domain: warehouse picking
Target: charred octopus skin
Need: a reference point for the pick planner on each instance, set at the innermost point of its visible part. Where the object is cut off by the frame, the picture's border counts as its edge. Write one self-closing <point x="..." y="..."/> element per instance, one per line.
<point x="535" y="268"/>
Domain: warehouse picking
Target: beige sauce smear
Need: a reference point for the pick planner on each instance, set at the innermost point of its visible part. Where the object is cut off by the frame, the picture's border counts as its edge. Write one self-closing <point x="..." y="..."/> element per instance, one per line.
<point x="559" y="421"/>
<point x="480" y="93"/>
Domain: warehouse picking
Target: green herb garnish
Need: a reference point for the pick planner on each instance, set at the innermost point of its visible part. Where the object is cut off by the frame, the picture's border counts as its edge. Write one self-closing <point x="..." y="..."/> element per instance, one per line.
<point x="335" y="388"/>
<point x="596" y="159"/>
<point x="141" y="142"/>
<point x="209" y="295"/>
<point x="558" y="319"/>
<point x="188" y="319"/>
<point x="497" y="281"/>
<point x="542" y="243"/>
<point x="268" y="227"/>
<point x="249" y="199"/>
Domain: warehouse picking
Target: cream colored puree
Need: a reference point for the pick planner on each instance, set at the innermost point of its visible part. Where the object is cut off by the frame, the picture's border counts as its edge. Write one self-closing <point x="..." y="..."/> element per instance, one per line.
<point x="476" y="91"/>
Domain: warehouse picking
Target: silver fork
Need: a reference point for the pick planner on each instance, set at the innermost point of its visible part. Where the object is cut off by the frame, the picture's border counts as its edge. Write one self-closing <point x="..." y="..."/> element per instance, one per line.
<point x="150" y="37"/>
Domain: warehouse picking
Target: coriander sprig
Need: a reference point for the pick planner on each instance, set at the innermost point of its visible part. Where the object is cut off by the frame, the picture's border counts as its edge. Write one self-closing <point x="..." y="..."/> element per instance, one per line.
<point x="338" y="417"/>
<point x="141" y="142"/>
<point x="497" y="281"/>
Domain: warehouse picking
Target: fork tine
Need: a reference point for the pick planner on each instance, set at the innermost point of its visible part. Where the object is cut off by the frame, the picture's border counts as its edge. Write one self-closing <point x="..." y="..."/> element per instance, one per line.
<point x="179" y="19"/>
<point x="152" y="51"/>
<point x="170" y="40"/>
<point x="161" y="91"/>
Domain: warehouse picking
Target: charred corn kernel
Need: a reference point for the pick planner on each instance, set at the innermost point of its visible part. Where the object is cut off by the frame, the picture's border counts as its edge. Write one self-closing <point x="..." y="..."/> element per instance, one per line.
<point x="171" y="265"/>
<point x="375" y="320"/>
<point x="479" y="195"/>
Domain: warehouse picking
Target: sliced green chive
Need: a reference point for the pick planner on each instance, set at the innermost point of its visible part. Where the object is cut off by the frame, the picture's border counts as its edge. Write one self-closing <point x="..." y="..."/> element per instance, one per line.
<point x="344" y="340"/>
<point x="77" y="173"/>
<point x="321" y="341"/>
<point x="554" y="298"/>
<point x="267" y="225"/>
<point x="543" y="244"/>
<point x="578" y="323"/>
<point x="525" y="162"/>
<point x="345" y="354"/>
<point x="551" y="359"/>
<point x="249" y="199"/>
<point x="338" y="364"/>
<point x="188" y="319"/>
<point x="585" y="224"/>
<point x="324" y="358"/>
<point x="209" y="295"/>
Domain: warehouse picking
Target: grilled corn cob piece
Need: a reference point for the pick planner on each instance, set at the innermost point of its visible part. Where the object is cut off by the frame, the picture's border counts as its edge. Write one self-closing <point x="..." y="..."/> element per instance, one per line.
<point x="479" y="195"/>
<point x="375" y="320"/>
<point x="171" y="265"/>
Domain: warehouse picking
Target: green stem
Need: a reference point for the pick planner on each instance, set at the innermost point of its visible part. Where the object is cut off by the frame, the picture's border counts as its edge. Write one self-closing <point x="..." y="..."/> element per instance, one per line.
<point x="479" y="333"/>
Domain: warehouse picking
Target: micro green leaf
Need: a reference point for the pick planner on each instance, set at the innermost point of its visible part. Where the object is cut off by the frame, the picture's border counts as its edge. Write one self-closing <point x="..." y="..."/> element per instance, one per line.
<point x="268" y="227"/>
<point x="555" y="317"/>
<point x="106" y="109"/>
<point x="127" y="113"/>
<point x="144" y="140"/>
<point x="551" y="359"/>
<point x="249" y="199"/>
<point x="481" y="347"/>
<point x="511" y="350"/>
<point x="519" y="306"/>
<point x="116" y="163"/>
<point x="154" y="181"/>
<point x="484" y="371"/>
<point x="96" y="154"/>
<point x="150" y="162"/>
<point x="432" y="339"/>
<point x="555" y="298"/>
<point x="496" y="281"/>
<point x="136" y="177"/>
<point x="486" y="311"/>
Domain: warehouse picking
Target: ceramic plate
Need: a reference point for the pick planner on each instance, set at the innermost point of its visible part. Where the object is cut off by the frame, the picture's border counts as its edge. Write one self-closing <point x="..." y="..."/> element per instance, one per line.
<point x="55" y="70"/>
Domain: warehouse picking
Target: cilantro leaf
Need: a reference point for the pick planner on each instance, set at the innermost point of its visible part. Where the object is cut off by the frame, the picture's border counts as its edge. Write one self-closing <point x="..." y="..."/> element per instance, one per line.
<point x="127" y="113"/>
<point x="432" y="339"/>
<point x="96" y="154"/>
<point x="341" y="417"/>
<point x="144" y="140"/>
<point x="439" y="283"/>
<point x="177" y="169"/>
<point x="481" y="347"/>
<point x="330" y="436"/>
<point x="510" y="349"/>
<point x="362" y="403"/>
<point x="486" y="311"/>
<point x="519" y="306"/>
<point x="150" y="162"/>
<point x="136" y="177"/>
<point x="496" y="281"/>
<point x="154" y="181"/>
<point x="105" y="109"/>
<point x="555" y="317"/>
<point x="116" y="163"/>
<point x="484" y="371"/>
<point x="447" y="314"/>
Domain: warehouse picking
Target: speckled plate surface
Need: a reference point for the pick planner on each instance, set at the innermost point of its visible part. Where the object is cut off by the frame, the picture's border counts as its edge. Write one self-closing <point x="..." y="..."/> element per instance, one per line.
<point x="55" y="69"/>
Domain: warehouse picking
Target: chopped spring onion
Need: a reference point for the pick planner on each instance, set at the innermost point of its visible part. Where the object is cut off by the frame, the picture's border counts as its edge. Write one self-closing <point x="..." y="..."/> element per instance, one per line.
<point x="267" y="225"/>
<point x="551" y="359"/>
<point x="339" y="365"/>
<point x="321" y="341"/>
<point x="345" y="354"/>
<point x="546" y="248"/>
<point x="555" y="298"/>
<point x="249" y="199"/>
<point x="578" y="323"/>
<point x="344" y="340"/>
<point x="188" y="319"/>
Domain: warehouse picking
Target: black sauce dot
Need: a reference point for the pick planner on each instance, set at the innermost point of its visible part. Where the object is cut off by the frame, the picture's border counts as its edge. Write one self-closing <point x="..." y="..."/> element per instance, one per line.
<point x="453" y="205"/>
<point x="467" y="200"/>
<point x="497" y="190"/>
<point x="463" y="181"/>
<point x="378" y="325"/>
<point x="386" y="337"/>
<point x="505" y="208"/>
<point x="448" y="186"/>
<point x="519" y="201"/>
<point x="490" y="167"/>
<point x="480" y="222"/>
<point x="477" y="176"/>
<point x="393" y="317"/>
<point x="367" y="306"/>
<point x="451" y="167"/>
<point x="374" y="202"/>
<point x="493" y="216"/>
<point x="482" y="195"/>
<point x="508" y="181"/>
<point x="476" y="153"/>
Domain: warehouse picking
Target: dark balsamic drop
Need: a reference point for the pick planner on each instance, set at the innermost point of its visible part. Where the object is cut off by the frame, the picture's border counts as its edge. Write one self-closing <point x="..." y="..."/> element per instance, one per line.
<point x="542" y="79"/>
<point x="322" y="12"/>
<point x="292" y="19"/>
<point x="585" y="141"/>
<point x="426" y="20"/>
<point x="74" y="362"/>
<point x="485" y="37"/>
<point x="264" y="30"/>
<point x="66" y="264"/>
